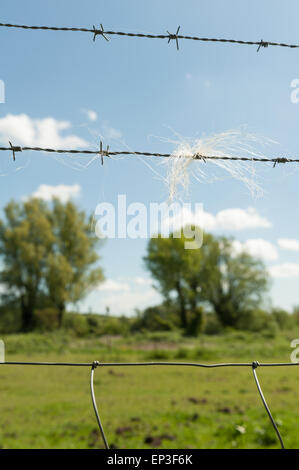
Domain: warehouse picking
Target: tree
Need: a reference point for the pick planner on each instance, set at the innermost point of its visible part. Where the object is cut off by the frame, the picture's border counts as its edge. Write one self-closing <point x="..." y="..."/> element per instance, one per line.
<point x="238" y="285"/>
<point x="214" y="275"/>
<point x="47" y="251"/>
<point x="177" y="272"/>
<point x="167" y="261"/>
<point x="25" y="241"/>
<point x="70" y="273"/>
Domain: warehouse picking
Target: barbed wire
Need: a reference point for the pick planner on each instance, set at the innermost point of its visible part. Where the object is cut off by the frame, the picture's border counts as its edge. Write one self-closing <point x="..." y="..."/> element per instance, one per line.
<point x="107" y="153"/>
<point x="169" y="36"/>
<point x="93" y="365"/>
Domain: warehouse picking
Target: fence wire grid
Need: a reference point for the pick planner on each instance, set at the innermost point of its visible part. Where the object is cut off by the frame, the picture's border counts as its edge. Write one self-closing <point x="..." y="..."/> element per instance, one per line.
<point x="100" y="31"/>
<point x="93" y="365"/>
<point x="107" y="153"/>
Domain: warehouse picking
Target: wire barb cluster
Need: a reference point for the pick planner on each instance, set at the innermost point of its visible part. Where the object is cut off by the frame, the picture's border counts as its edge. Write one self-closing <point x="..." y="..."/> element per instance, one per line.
<point x="107" y="153"/>
<point x="93" y="365"/>
<point x="169" y="36"/>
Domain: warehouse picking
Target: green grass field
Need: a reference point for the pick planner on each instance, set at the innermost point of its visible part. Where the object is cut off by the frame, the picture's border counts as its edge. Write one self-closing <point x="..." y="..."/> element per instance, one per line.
<point x="150" y="407"/>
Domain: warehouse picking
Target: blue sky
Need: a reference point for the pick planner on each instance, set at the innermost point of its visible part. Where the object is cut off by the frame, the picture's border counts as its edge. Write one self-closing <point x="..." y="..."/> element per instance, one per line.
<point x="144" y="90"/>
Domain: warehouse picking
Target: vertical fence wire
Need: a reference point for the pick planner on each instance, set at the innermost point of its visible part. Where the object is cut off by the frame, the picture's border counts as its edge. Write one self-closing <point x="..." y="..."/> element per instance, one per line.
<point x="254" y="367"/>
<point x="94" y="403"/>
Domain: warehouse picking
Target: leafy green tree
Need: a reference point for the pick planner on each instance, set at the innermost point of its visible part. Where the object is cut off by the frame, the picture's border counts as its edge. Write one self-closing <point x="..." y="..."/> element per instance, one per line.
<point x="47" y="251"/>
<point x="167" y="261"/>
<point x="238" y="285"/>
<point x="214" y="275"/>
<point x="71" y="272"/>
<point x="177" y="271"/>
<point x="25" y="241"/>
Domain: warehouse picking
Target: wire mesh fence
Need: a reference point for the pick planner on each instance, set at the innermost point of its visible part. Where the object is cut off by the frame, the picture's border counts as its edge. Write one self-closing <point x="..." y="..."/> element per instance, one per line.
<point x="176" y="37"/>
<point x="93" y="365"/>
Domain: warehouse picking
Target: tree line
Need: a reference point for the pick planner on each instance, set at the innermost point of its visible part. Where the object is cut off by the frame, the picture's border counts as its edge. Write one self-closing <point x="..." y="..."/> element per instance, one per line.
<point x="49" y="259"/>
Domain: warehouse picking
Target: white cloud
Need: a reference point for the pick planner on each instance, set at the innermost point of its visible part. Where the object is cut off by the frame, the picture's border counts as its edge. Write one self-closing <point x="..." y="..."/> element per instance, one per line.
<point x="234" y="219"/>
<point x="63" y="192"/>
<point x="288" y="244"/>
<point x="123" y="295"/>
<point x="22" y="130"/>
<point x="92" y="115"/>
<point x="259" y="248"/>
<point x="142" y="281"/>
<point x="111" y="285"/>
<point x="285" y="271"/>
<point x="111" y="133"/>
<point x="240" y="219"/>
<point x="126" y="302"/>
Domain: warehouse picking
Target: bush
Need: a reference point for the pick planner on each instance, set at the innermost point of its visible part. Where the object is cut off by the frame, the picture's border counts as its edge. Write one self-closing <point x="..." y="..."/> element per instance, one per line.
<point x="254" y="321"/>
<point x="155" y="319"/>
<point x="10" y="319"/>
<point x="77" y="323"/>
<point x="195" y="322"/>
<point x="212" y="325"/>
<point x="46" y="319"/>
<point x="282" y="318"/>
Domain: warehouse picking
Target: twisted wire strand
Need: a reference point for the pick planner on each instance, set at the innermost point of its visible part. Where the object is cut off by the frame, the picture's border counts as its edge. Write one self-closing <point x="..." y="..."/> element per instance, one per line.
<point x="109" y="153"/>
<point x="169" y="36"/>
<point x="95" y="364"/>
<point x="124" y="364"/>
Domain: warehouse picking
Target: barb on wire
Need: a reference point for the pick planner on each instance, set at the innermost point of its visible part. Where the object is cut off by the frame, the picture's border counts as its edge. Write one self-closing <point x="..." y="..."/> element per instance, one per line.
<point x="103" y="153"/>
<point x="14" y="149"/>
<point x="108" y="153"/>
<point x="174" y="37"/>
<point x="100" y="32"/>
<point x="280" y="160"/>
<point x="168" y="36"/>
<point x="95" y="364"/>
<point x="263" y="44"/>
<point x="255" y="365"/>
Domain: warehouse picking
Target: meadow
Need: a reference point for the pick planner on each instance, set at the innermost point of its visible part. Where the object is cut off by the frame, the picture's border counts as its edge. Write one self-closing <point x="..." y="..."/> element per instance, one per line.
<point x="150" y="407"/>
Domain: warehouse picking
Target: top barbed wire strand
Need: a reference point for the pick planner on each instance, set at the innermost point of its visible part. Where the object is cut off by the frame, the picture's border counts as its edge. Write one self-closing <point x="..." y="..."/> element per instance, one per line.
<point x="169" y="36"/>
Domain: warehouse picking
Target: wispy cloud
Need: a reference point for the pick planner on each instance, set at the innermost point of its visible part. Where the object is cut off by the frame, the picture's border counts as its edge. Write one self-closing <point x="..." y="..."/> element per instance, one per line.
<point x="123" y="295"/>
<point x="92" y="115"/>
<point x="258" y="248"/>
<point x="234" y="219"/>
<point x="61" y="191"/>
<point x="111" y="133"/>
<point x="284" y="271"/>
<point x="288" y="244"/>
<point x="111" y="285"/>
<point x="23" y="130"/>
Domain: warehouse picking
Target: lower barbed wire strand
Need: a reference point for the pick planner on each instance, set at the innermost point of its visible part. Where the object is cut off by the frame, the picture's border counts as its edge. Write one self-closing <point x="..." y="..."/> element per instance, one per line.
<point x="107" y="153"/>
<point x="254" y="366"/>
<point x="94" y="403"/>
